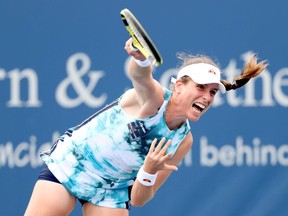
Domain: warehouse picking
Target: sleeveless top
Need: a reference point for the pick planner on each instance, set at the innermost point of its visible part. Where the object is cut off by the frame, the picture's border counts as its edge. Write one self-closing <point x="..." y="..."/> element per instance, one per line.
<point x="108" y="148"/>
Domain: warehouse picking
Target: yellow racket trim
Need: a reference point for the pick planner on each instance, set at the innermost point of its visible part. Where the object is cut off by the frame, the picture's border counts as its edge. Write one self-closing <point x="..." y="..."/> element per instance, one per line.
<point x="137" y="44"/>
<point x="140" y="38"/>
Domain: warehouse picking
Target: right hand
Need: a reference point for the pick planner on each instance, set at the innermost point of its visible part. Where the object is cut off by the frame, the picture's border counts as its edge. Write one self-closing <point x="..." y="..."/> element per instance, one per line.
<point x="136" y="54"/>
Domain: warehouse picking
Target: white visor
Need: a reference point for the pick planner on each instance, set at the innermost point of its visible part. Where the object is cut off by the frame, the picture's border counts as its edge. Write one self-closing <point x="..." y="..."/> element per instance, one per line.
<point x="202" y="73"/>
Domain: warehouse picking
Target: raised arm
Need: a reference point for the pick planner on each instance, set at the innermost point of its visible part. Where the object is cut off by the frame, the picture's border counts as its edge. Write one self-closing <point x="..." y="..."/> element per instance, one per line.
<point x="147" y="91"/>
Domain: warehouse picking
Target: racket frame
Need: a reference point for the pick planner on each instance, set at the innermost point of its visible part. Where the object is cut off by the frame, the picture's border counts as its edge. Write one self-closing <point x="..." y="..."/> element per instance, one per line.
<point x="140" y="38"/>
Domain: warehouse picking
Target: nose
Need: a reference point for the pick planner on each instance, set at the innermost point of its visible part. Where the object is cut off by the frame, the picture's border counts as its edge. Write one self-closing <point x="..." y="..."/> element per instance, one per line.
<point x="207" y="97"/>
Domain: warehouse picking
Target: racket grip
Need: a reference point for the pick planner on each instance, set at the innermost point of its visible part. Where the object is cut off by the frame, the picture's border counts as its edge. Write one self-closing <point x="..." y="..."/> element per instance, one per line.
<point x="133" y="48"/>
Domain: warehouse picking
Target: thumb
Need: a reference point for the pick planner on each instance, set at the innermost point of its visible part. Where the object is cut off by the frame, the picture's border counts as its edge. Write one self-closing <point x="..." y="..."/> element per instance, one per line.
<point x="170" y="167"/>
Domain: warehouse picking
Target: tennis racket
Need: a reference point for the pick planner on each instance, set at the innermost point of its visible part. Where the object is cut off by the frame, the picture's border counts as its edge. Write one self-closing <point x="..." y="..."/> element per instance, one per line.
<point x="140" y="38"/>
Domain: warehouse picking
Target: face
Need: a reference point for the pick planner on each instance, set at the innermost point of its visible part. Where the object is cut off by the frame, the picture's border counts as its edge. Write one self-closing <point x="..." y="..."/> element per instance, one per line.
<point x="195" y="99"/>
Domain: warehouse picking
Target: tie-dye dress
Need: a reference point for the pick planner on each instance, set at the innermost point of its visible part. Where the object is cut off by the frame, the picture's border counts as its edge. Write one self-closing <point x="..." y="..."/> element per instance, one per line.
<point x="98" y="160"/>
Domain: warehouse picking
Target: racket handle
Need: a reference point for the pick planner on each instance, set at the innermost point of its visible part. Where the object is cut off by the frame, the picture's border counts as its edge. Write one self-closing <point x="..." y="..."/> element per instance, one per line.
<point x="133" y="48"/>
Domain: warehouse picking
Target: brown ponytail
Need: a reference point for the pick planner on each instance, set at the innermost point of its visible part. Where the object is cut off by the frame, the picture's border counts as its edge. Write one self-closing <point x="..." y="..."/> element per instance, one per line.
<point x="250" y="70"/>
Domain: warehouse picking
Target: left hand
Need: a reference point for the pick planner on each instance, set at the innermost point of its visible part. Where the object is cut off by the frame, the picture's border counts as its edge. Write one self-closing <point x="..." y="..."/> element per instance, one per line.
<point x="156" y="158"/>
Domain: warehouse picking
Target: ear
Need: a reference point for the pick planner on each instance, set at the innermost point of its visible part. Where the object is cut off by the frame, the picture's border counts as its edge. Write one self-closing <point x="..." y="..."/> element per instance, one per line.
<point x="178" y="86"/>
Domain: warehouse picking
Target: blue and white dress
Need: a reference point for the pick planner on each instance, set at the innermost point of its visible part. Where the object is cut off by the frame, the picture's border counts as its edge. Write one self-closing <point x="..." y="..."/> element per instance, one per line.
<point x="99" y="159"/>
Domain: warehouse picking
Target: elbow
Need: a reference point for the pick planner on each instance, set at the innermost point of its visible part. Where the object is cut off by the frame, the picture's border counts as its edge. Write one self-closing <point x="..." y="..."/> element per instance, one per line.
<point x="140" y="195"/>
<point x="140" y="201"/>
<point x="137" y="203"/>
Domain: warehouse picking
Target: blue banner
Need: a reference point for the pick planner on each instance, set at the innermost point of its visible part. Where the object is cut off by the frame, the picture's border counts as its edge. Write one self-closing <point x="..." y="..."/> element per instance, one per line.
<point x="60" y="61"/>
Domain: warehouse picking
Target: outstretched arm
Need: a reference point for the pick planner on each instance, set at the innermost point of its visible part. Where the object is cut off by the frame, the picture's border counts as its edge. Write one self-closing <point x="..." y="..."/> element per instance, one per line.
<point x="148" y="92"/>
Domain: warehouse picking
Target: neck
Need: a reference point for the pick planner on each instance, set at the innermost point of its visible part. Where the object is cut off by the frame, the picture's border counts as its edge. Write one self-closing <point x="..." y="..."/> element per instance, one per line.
<point x="172" y="120"/>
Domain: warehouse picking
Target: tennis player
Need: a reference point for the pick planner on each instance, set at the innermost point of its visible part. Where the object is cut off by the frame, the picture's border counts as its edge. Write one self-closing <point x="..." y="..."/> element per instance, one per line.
<point x="122" y="154"/>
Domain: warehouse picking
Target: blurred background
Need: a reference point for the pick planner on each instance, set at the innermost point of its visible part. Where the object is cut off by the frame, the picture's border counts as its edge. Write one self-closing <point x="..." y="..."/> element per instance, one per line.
<point x="60" y="61"/>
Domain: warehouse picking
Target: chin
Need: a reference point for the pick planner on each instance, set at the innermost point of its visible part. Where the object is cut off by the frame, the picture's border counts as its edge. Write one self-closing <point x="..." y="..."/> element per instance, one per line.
<point x="194" y="118"/>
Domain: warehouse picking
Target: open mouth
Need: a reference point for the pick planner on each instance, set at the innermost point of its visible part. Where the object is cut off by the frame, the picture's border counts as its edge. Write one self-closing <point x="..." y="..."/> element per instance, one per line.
<point x="199" y="107"/>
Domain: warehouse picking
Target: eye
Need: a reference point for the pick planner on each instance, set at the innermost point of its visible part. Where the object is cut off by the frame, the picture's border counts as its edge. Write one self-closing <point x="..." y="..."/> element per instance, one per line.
<point x="214" y="92"/>
<point x="200" y="86"/>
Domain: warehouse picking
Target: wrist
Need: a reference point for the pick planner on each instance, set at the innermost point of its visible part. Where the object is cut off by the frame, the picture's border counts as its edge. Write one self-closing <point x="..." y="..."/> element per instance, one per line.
<point x="144" y="63"/>
<point x="145" y="178"/>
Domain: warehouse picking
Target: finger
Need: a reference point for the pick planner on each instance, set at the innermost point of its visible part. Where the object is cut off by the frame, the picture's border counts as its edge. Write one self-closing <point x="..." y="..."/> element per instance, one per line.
<point x="152" y="147"/>
<point x="159" y="146"/>
<point x="166" y="157"/>
<point x="170" y="167"/>
<point x="166" y="146"/>
<point x="129" y="46"/>
<point x="127" y="43"/>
